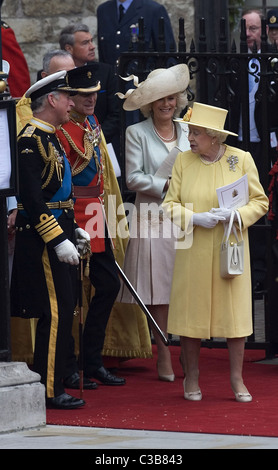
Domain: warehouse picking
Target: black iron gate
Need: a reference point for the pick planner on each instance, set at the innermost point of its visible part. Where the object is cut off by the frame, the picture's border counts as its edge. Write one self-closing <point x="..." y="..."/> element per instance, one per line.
<point x="217" y="77"/>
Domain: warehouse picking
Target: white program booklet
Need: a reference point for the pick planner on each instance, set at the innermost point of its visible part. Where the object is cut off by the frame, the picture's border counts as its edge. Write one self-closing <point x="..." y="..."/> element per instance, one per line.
<point x="234" y="195"/>
<point x="114" y="160"/>
<point x="5" y="160"/>
<point x="165" y="169"/>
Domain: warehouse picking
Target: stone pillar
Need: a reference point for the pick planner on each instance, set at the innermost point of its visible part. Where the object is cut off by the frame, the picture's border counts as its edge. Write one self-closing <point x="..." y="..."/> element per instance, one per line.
<point x="22" y="398"/>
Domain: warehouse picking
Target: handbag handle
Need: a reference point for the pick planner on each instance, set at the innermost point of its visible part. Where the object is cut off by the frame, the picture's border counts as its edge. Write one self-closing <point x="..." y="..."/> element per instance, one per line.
<point x="230" y="226"/>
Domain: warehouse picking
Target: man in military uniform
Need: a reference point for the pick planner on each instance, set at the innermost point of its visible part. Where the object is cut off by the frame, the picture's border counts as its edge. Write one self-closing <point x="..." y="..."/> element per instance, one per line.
<point x="272" y="27"/>
<point x="117" y="23"/>
<point x="46" y="259"/>
<point x="81" y="139"/>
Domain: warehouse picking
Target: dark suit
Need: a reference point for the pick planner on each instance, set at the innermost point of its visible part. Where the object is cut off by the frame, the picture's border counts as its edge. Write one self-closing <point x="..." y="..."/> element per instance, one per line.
<point x="114" y="37"/>
<point x="107" y="106"/>
<point x="257" y="237"/>
<point x="255" y="147"/>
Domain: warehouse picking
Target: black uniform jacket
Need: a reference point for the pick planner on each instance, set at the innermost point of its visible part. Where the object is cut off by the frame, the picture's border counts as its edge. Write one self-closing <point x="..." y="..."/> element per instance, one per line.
<point x="44" y="177"/>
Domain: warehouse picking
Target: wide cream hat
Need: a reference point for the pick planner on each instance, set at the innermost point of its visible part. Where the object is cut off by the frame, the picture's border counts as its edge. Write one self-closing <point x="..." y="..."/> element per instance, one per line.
<point x="204" y="115"/>
<point x="159" y="83"/>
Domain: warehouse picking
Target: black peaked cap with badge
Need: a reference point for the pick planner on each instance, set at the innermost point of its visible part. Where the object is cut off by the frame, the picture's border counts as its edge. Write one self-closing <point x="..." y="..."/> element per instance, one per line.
<point x="81" y="79"/>
<point x="272" y="18"/>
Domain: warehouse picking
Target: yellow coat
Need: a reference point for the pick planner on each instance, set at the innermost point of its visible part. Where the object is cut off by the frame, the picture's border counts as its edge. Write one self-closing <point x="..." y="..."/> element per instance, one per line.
<point x="202" y="304"/>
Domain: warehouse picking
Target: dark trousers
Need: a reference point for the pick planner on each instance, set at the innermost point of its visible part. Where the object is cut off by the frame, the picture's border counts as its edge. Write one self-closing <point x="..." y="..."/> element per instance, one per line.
<point x="104" y="277"/>
<point x="55" y="324"/>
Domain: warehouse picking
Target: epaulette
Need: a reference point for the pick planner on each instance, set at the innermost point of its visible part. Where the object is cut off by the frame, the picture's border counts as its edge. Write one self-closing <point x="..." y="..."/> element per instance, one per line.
<point x="29" y="131"/>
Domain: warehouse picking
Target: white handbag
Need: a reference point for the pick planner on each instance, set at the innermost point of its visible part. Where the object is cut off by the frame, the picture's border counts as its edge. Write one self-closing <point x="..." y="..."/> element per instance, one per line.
<point x="232" y="252"/>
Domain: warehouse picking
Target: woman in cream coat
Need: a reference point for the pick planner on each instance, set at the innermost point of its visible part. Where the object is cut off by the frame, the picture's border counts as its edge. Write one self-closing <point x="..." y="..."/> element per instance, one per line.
<point x="150" y="254"/>
<point x="204" y="305"/>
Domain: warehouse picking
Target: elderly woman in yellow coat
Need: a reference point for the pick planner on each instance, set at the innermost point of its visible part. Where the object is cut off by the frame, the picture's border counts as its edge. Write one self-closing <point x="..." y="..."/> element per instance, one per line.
<point x="202" y="303"/>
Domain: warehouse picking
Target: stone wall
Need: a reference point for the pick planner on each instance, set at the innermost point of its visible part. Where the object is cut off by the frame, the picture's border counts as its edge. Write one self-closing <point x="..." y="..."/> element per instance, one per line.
<point x="37" y="23"/>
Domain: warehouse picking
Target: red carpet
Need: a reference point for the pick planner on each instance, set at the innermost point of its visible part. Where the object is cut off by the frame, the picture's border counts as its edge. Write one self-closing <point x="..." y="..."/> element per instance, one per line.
<point x="147" y="403"/>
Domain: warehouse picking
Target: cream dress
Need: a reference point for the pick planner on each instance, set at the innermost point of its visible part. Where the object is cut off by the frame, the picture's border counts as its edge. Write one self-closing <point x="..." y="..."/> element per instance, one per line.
<point x="150" y="254"/>
<point x="203" y="305"/>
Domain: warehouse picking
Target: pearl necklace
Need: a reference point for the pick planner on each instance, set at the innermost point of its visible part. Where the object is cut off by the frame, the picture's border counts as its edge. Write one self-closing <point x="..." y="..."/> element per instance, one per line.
<point x="164" y="138"/>
<point x="218" y="156"/>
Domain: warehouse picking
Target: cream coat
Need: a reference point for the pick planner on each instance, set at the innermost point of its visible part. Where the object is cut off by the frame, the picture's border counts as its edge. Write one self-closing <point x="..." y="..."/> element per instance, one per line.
<point x="202" y="304"/>
<point x="151" y="247"/>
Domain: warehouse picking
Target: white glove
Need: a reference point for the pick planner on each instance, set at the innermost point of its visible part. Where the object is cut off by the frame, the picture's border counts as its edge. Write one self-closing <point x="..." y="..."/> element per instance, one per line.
<point x="82" y="240"/>
<point x="222" y="212"/>
<point x="67" y="253"/>
<point x="206" y="219"/>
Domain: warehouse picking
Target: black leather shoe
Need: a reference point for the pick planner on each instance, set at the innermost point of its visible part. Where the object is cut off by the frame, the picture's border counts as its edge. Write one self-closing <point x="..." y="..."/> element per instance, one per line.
<point x="106" y="378"/>
<point x="64" y="402"/>
<point x="73" y="382"/>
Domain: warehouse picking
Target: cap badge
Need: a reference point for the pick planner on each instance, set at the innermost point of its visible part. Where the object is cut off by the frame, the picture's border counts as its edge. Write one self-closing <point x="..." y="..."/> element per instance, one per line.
<point x="89" y="74"/>
<point x="273" y="19"/>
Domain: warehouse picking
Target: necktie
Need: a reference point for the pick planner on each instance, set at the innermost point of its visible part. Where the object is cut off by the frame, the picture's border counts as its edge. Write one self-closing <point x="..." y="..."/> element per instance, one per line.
<point x="121" y="12"/>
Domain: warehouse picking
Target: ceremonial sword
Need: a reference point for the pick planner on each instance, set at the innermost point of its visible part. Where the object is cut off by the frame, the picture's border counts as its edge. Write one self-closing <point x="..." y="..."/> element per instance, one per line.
<point x="142" y="305"/>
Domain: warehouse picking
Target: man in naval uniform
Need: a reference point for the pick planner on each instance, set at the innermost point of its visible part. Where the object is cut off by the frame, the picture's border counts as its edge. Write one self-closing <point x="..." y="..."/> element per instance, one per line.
<point x="45" y="258"/>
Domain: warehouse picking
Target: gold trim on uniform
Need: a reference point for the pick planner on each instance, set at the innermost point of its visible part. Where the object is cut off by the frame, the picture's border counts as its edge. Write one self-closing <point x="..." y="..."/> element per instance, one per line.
<point x="48" y="228"/>
<point x="43" y="125"/>
<point x="69" y="204"/>
<point x="52" y="158"/>
<point x="91" y="139"/>
<point x="53" y="326"/>
<point x="29" y="131"/>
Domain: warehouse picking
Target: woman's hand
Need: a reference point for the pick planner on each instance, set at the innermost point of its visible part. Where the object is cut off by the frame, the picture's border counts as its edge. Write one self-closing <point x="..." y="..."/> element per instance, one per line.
<point x="207" y="219"/>
<point x="226" y="213"/>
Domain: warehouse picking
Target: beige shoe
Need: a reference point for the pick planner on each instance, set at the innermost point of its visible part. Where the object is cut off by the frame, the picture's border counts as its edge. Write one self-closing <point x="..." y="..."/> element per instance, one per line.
<point x="193" y="396"/>
<point x="243" y="397"/>
<point x="165" y="377"/>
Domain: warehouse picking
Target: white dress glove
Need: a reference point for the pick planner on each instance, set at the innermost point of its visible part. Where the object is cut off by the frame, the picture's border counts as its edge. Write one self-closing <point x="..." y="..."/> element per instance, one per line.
<point x="67" y="253"/>
<point x="222" y="212"/>
<point x="206" y="219"/>
<point x="82" y="240"/>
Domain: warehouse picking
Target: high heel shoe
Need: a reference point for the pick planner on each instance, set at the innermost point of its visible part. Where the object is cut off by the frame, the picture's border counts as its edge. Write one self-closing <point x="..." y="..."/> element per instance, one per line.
<point x="192" y="396"/>
<point x="165" y="377"/>
<point x="243" y="397"/>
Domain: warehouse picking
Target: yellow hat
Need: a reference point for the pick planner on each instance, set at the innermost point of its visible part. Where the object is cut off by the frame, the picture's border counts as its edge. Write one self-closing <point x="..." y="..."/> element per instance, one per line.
<point x="210" y="117"/>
